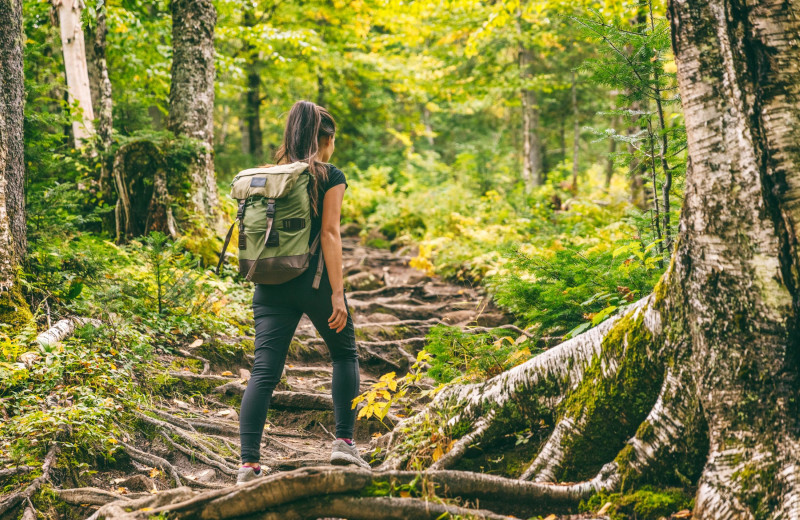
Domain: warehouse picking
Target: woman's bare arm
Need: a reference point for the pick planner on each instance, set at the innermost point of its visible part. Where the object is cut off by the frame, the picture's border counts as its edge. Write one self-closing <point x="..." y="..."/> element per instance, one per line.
<point x="331" y="242"/>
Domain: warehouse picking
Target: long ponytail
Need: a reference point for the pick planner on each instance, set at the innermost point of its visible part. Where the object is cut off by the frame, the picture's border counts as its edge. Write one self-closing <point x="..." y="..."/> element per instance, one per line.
<point x="306" y="125"/>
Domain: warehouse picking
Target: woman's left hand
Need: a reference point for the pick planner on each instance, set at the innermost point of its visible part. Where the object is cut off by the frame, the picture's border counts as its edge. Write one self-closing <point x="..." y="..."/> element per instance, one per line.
<point x="338" y="319"/>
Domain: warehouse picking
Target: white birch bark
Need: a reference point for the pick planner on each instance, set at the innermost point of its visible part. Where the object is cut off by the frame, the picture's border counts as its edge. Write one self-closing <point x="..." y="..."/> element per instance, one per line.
<point x="75" y="68"/>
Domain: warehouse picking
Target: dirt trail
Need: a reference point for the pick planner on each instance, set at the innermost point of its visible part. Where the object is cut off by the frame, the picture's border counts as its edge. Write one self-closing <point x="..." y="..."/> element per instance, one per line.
<point x="192" y="424"/>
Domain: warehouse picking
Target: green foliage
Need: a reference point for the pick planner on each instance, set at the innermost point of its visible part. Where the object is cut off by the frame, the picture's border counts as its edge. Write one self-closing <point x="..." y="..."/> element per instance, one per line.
<point x="645" y="504"/>
<point x="465" y="356"/>
<point x="73" y="392"/>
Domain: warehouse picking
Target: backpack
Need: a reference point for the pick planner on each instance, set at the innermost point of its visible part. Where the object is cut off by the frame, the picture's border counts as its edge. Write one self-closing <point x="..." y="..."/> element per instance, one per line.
<point x="274" y="217"/>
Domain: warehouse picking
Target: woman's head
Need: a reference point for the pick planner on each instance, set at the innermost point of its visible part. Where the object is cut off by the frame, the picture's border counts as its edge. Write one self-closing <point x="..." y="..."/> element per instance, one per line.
<point x="309" y="137"/>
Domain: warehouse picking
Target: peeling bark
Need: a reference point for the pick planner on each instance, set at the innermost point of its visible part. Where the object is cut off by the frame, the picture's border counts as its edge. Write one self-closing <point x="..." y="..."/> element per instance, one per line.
<point x="75" y="67"/>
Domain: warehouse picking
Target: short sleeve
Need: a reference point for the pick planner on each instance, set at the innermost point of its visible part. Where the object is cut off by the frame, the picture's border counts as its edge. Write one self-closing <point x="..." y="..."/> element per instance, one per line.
<point x="335" y="178"/>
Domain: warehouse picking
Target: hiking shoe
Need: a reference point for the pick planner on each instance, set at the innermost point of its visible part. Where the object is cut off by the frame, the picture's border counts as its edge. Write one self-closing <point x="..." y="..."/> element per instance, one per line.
<point x="343" y="454"/>
<point x="247" y="474"/>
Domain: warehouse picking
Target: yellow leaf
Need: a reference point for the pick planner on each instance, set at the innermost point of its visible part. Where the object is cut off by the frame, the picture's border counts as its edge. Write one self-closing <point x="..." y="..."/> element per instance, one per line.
<point x="393" y="385"/>
<point x="437" y="453"/>
<point x="376" y="435"/>
<point x="405" y="494"/>
<point x="154" y="472"/>
<point x="227" y="373"/>
<point x="550" y="517"/>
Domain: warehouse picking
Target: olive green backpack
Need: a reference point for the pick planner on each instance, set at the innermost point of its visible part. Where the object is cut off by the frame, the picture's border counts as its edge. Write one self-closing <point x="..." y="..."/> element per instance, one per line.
<point x="274" y="217"/>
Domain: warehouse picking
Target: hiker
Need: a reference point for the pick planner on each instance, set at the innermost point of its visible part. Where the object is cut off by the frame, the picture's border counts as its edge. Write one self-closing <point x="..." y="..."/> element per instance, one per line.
<point x="308" y="144"/>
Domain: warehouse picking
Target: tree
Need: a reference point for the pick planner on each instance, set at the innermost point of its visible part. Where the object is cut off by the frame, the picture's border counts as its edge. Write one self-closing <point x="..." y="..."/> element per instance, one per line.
<point x="13" y="242"/>
<point x="75" y="66"/>
<point x="191" y="97"/>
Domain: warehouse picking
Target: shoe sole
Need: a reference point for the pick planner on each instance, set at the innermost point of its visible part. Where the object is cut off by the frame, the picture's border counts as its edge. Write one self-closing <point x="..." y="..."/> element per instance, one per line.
<point x="344" y="459"/>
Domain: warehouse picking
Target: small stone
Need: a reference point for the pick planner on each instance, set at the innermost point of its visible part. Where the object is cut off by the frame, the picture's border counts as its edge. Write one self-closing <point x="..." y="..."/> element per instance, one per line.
<point x="379" y="317"/>
<point x="363" y="281"/>
<point x="29" y="358"/>
<point x="244" y="374"/>
<point x="491" y="320"/>
<point x="207" y="475"/>
<point x="135" y="483"/>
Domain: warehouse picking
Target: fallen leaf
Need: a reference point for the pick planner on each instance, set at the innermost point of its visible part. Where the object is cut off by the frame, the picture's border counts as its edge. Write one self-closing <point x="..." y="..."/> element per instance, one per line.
<point x="122" y="490"/>
<point x="196" y="343"/>
<point x="154" y="472"/>
<point x="376" y="435"/>
<point x="685" y="513"/>
<point x="227" y="373"/>
<point x="550" y="517"/>
<point x="405" y="494"/>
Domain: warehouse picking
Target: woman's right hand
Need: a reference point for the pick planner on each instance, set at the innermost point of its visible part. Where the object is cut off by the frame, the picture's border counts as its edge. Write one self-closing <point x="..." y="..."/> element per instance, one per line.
<point x="338" y="318"/>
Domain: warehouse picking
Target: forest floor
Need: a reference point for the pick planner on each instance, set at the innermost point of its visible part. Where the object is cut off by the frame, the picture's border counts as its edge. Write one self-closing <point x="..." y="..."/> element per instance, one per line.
<point x="188" y="435"/>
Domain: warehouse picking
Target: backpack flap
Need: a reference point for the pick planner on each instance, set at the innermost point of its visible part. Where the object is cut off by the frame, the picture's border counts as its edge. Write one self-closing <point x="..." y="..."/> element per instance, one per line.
<point x="273" y="182"/>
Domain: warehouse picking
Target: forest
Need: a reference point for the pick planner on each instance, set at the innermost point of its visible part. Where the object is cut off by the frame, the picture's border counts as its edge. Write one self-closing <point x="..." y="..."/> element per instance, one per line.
<point x="570" y="249"/>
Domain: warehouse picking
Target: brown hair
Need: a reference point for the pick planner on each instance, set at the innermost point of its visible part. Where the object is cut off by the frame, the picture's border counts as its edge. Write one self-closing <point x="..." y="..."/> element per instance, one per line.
<point x="306" y="125"/>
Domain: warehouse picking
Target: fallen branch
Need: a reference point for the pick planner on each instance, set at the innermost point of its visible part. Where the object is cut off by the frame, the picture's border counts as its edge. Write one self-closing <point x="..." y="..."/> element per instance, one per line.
<point x="63" y="329"/>
<point x="206" y="363"/>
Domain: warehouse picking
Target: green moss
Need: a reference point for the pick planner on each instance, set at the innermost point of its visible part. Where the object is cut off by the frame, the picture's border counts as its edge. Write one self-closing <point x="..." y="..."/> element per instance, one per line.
<point x="14" y="310"/>
<point x="616" y="405"/>
<point x="225" y="355"/>
<point x="645" y="431"/>
<point x="645" y="504"/>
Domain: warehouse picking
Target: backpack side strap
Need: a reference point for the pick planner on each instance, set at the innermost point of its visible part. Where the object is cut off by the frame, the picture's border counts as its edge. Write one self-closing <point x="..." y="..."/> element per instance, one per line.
<point x="240" y="219"/>
<point x="313" y="249"/>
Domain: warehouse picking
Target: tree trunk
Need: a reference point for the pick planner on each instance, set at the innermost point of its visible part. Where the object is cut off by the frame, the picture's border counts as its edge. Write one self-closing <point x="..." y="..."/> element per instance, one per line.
<point x="255" y="140"/>
<point x="72" y="44"/>
<point x="13" y="243"/>
<point x="191" y="97"/>
<point x="531" y="145"/>
<point x="104" y="109"/>
<point x="738" y="261"/>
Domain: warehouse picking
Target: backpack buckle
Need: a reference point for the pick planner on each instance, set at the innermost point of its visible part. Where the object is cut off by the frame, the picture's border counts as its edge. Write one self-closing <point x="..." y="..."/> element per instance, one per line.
<point x="271" y="208"/>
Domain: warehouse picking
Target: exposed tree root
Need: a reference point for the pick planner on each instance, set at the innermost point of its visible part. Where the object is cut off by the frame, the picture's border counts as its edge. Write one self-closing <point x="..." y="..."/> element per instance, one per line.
<point x="194" y="454"/>
<point x="458" y="449"/>
<point x="9" y="472"/>
<point x="551" y="456"/>
<point x="184" y="435"/>
<point x="92" y="496"/>
<point x="63" y="329"/>
<point x="206" y="363"/>
<point x="21" y="496"/>
<point x="278" y="494"/>
<point x="152" y="461"/>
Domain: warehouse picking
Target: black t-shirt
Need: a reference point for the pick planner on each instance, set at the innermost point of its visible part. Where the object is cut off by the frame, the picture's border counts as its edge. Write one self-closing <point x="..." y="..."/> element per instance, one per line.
<point x="335" y="178"/>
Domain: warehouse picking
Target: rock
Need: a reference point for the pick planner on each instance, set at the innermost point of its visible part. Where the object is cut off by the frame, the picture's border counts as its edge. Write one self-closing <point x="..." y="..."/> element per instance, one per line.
<point x="351" y="229"/>
<point x="457" y="317"/>
<point x="229" y="414"/>
<point x="491" y="319"/>
<point x="415" y="277"/>
<point x="29" y="358"/>
<point x="244" y="374"/>
<point x="135" y="483"/>
<point x="363" y="281"/>
<point x="207" y="475"/>
<point x="379" y="317"/>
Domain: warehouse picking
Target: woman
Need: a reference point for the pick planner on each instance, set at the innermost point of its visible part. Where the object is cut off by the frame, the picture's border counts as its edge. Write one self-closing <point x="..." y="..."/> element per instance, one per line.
<point x="277" y="309"/>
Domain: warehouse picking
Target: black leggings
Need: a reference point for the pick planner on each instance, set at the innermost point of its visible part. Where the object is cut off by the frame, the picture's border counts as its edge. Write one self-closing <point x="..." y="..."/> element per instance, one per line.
<point x="277" y="310"/>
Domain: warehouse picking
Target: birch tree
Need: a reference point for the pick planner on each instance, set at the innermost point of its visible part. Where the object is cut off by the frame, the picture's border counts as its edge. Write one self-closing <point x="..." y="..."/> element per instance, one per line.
<point x="75" y="67"/>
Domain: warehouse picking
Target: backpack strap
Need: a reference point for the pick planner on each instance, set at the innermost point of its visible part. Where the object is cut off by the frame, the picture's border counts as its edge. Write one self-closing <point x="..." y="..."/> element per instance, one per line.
<point x="270" y="220"/>
<point x="240" y="218"/>
<point x="320" y="264"/>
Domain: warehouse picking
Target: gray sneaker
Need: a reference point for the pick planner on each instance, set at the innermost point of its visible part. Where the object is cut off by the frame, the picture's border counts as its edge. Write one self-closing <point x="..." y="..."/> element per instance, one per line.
<point x="343" y="454"/>
<point x="247" y="474"/>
